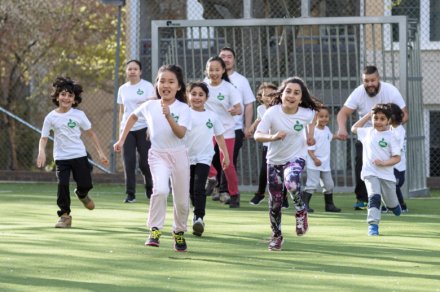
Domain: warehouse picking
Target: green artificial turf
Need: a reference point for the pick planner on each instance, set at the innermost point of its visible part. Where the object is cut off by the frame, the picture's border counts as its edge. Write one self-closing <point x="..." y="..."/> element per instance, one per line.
<point x="104" y="250"/>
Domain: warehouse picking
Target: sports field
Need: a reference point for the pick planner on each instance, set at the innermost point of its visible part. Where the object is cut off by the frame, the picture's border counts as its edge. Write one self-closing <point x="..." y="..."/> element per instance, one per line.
<point x="104" y="250"/>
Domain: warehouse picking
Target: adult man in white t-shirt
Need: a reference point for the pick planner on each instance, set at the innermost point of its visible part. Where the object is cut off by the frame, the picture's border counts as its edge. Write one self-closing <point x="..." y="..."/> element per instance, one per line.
<point x="244" y="120"/>
<point x="362" y="100"/>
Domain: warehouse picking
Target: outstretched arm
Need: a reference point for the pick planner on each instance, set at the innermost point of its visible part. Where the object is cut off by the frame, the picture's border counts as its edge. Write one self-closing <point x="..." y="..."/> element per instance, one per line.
<point x="132" y="119"/>
<point x="97" y="145"/>
<point x="342" y="118"/>
<point x="360" y="123"/>
<point x="41" y="159"/>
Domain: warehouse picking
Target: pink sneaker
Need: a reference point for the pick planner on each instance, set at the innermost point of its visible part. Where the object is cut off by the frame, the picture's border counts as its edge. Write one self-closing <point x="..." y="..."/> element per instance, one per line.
<point x="301" y="222"/>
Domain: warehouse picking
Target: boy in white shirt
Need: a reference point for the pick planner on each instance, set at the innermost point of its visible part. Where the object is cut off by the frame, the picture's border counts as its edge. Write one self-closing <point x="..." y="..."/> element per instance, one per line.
<point x="69" y="151"/>
<point x="381" y="151"/>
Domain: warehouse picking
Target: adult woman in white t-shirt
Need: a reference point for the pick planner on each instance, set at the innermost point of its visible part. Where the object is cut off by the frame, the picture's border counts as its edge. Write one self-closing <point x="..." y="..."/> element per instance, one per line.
<point x="130" y="96"/>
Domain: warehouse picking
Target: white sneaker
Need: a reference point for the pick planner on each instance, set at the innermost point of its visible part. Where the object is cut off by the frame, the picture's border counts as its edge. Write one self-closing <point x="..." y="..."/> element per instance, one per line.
<point x="198" y="227"/>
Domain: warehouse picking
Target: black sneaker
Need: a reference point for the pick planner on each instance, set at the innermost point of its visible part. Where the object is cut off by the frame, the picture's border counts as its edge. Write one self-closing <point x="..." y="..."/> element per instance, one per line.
<point x="179" y="242"/>
<point x="234" y="201"/>
<point x="130" y="199"/>
<point x="257" y="199"/>
<point x="153" y="238"/>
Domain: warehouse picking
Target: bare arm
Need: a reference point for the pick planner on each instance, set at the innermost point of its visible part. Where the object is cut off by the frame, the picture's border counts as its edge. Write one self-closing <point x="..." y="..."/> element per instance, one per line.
<point x="389" y="162"/>
<point x="311" y="131"/>
<point x="132" y="119"/>
<point x="121" y="113"/>
<point x="97" y="145"/>
<point x="41" y="159"/>
<point x="248" y="117"/>
<point x="314" y="158"/>
<point x="254" y="126"/>
<point x="342" y="118"/>
<point x="262" y="137"/>
<point x="177" y="129"/>
<point x="360" y="123"/>
<point x="222" y="146"/>
<point x="235" y="110"/>
<point x="405" y="115"/>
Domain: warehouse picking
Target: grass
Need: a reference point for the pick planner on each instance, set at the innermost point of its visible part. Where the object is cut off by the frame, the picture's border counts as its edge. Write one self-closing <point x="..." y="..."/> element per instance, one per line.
<point x="104" y="250"/>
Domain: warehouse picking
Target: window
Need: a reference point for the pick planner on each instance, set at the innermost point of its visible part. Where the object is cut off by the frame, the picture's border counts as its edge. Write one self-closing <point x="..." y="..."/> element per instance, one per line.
<point x="434" y="20"/>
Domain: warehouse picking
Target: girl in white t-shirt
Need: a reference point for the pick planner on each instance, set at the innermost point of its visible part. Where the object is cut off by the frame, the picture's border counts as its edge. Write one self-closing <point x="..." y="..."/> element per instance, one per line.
<point x="168" y="119"/>
<point x="204" y="126"/>
<point x="131" y="95"/>
<point x="289" y="126"/>
<point x="380" y="152"/>
<point x="225" y="102"/>
<point x="399" y="169"/>
<point x="69" y="151"/>
<point x="318" y="163"/>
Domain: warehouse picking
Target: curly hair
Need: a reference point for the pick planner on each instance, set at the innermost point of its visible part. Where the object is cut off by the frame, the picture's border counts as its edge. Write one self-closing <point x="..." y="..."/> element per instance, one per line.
<point x="66" y="84"/>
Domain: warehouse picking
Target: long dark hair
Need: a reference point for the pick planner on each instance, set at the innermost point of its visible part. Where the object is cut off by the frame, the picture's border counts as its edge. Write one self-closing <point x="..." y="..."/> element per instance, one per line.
<point x="306" y="99"/>
<point x="177" y="70"/>
<point x="66" y="84"/>
<point x="222" y="63"/>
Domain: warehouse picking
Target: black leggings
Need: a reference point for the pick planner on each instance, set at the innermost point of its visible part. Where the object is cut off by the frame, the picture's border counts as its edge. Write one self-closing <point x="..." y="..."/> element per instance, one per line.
<point x="199" y="174"/>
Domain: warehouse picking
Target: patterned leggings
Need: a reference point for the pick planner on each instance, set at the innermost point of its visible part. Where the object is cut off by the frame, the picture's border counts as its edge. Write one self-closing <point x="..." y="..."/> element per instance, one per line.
<point x="284" y="176"/>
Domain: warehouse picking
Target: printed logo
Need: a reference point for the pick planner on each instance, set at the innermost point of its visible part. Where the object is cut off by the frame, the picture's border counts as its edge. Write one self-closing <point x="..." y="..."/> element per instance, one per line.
<point x="383" y="143"/>
<point x="71" y="124"/>
<point x="175" y="117"/>
<point x="298" y="127"/>
<point x="220" y="96"/>
<point x="140" y="92"/>
<point x="209" y="124"/>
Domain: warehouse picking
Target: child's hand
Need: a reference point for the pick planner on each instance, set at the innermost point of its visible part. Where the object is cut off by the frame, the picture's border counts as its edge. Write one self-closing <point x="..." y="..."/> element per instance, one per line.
<point x="279" y="136"/>
<point x="165" y="108"/>
<point x="233" y="111"/>
<point x="118" y="146"/>
<point x="225" y="163"/>
<point x="317" y="162"/>
<point x="103" y="158"/>
<point x="378" y="162"/>
<point x="41" y="160"/>
<point x="311" y="141"/>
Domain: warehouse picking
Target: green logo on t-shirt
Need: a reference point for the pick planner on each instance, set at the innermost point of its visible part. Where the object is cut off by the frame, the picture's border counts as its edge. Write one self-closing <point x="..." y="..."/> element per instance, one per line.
<point x="71" y="124"/>
<point x="175" y="117"/>
<point x="220" y="96"/>
<point x="209" y="124"/>
<point x="298" y="127"/>
<point x="140" y="92"/>
<point x="383" y="143"/>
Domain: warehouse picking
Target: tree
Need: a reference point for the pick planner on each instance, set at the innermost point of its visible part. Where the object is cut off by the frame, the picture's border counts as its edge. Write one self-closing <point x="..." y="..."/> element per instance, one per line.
<point x="40" y="39"/>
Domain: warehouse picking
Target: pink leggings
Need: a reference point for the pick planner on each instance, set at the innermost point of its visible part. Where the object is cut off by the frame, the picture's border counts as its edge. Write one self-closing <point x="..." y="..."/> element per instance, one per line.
<point x="230" y="172"/>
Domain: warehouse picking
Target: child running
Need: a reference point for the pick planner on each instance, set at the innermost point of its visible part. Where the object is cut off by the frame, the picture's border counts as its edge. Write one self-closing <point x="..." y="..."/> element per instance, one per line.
<point x="318" y="163"/>
<point x="69" y="151"/>
<point x="168" y="119"/>
<point x="225" y="102"/>
<point x="399" y="169"/>
<point x="289" y="126"/>
<point x="205" y="125"/>
<point x="381" y="151"/>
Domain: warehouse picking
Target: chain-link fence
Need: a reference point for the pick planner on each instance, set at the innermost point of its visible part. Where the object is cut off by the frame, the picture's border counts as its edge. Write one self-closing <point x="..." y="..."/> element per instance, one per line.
<point x="42" y="39"/>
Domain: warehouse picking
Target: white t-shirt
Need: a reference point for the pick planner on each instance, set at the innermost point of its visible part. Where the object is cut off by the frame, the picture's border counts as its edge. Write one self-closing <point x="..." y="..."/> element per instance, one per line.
<point x="261" y="110"/>
<point x="131" y="96"/>
<point x="204" y="125"/>
<point x="66" y="128"/>
<point x="322" y="149"/>
<point x="221" y="98"/>
<point x="377" y="145"/>
<point x="294" y="145"/>
<point x="359" y="99"/>
<point x="247" y="96"/>
<point x="400" y="134"/>
<point x="161" y="134"/>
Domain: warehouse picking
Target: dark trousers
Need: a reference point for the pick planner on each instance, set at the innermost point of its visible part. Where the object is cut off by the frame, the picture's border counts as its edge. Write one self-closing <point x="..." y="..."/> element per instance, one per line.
<point x="400" y="180"/>
<point x="239" y="137"/>
<point x="136" y="140"/>
<point x="360" y="189"/>
<point x="262" y="179"/>
<point x="199" y="175"/>
<point x="81" y="171"/>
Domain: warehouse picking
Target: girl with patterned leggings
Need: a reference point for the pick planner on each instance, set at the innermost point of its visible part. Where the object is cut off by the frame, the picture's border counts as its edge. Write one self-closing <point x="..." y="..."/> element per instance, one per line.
<point x="289" y="127"/>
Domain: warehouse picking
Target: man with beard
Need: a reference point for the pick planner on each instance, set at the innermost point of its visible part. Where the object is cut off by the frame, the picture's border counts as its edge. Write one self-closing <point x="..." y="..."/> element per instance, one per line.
<point x="362" y="100"/>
